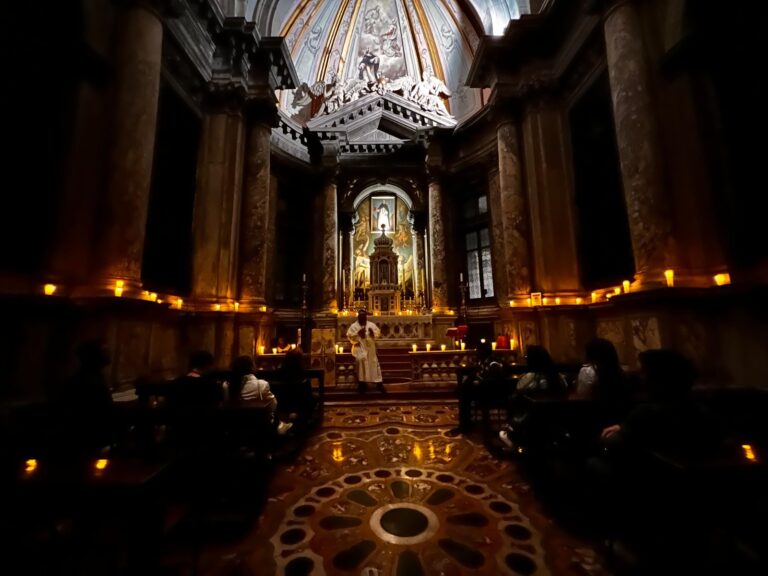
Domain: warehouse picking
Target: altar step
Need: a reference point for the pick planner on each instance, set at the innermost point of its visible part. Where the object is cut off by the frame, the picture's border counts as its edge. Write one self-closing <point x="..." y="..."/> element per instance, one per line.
<point x="395" y="365"/>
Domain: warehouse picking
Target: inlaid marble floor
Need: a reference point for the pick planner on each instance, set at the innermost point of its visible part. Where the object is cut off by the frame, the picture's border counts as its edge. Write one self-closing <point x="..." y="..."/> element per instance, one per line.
<point x="383" y="489"/>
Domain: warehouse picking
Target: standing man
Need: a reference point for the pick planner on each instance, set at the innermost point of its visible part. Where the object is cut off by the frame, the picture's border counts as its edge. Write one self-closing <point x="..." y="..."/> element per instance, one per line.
<point x="362" y="334"/>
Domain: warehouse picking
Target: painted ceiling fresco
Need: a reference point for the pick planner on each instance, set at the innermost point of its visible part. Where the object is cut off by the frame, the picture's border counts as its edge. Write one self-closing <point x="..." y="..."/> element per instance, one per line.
<point x="386" y="41"/>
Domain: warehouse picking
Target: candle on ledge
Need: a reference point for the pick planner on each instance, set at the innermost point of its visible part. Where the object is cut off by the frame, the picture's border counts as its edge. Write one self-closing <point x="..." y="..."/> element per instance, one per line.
<point x="274" y="350"/>
<point x="463" y="345"/>
<point x="336" y="348"/>
<point x="625" y="284"/>
<point x="303" y="277"/>
<point x="261" y="350"/>
<point x="49" y="289"/>
<point x="617" y="290"/>
<point x="442" y="347"/>
<point x="493" y="345"/>
<point x="511" y="343"/>
<point x="413" y="347"/>
<point x="119" y="284"/>
<point x="429" y="347"/>
<point x="461" y="276"/>
<point x="579" y="300"/>
<point x="594" y="296"/>
<point x="722" y="279"/>
<point x="669" y="276"/>
<point x="341" y="349"/>
<point x="557" y="300"/>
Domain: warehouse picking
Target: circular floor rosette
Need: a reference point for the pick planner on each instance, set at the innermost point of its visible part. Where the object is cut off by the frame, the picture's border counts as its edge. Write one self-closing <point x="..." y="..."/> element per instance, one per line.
<point x="406" y="521"/>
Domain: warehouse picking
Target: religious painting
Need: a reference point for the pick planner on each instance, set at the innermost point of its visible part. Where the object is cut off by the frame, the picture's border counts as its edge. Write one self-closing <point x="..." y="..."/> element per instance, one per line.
<point x="383" y="213"/>
<point x="379" y="47"/>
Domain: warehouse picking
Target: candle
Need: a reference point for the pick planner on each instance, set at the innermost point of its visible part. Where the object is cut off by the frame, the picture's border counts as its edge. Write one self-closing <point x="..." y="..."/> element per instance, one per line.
<point x="511" y="303"/>
<point x="511" y="343"/>
<point x="463" y="345"/>
<point x="617" y="290"/>
<point x="594" y="296"/>
<point x="217" y="307"/>
<point x="625" y="284"/>
<point x="461" y="276"/>
<point x="341" y="349"/>
<point x="413" y="347"/>
<point x="669" y="275"/>
<point x="336" y="348"/>
<point x="429" y="347"/>
<point x="493" y="345"/>
<point x="261" y="349"/>
<point x="442" y="347"/>
<point x="49" y="289"/>
<point x="101" y="464"/>
<point x="180" y="303"/>
<point x="236" y="306"/>
<point x="545" y="300"/>
<point x="722" y="279"/>
<point x="557" y="300"/>
<point x="119" y="284"/>
<point x="579" y="300"/>
<point x="274" y="350"/>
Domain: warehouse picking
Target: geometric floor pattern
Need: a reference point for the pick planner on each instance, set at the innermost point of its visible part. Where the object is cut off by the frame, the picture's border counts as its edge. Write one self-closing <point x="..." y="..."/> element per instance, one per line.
<point x="383" y="489"/>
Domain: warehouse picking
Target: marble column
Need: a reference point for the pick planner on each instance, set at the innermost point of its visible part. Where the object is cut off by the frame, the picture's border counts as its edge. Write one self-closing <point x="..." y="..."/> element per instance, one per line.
<point x="550" y="197"/>
<point x="218" y="201"/>
<point x="498" y="239"/>
<point x="255" y="217"/>
<point x="514" y="212"/>
<point x="437" y="250"/>
<point x="638" y="143"/>
<point x="131" y="150"/>
<point x="330" y="253"/>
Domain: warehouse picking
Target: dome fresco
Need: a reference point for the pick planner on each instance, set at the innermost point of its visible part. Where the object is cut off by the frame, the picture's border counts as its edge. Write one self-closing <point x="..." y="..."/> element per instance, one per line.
<point x="392" y="43"/>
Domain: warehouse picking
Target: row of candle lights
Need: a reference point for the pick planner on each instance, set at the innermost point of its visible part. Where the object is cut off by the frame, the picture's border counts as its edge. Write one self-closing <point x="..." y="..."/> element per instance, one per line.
<point x="263" y="350"/>
<point x="537" y="299"/>
<point x="722" y="279"/>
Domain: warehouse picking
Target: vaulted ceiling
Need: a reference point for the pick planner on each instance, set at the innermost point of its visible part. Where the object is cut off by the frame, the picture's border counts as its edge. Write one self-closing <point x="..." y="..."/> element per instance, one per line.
<point x="406" y="37"/>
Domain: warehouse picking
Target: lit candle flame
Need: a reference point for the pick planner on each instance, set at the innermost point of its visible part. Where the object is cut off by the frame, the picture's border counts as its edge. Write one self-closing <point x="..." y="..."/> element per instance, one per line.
<point x="49" y="289"/>
<point x="30" y="466"/>
<point x="625" y="284"/>
<point x="669" y="275"/>
<point x="749" y="453"/>
<point x="119" y="285"/>
<point x="101" y="464"/>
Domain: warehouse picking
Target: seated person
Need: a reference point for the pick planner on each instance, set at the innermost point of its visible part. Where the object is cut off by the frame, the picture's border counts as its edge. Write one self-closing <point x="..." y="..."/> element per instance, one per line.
<point x="542" y="375"/>
<point x="542" y="378"/>
<point x="197" y="387"/>
<point x="282" y="346"/>
<point x="602" y="380"/>
<point x="247" y="387"/>
<point x="294" y="388"/>
<point x="85" y="406"/>
<point x="471" y="387"/>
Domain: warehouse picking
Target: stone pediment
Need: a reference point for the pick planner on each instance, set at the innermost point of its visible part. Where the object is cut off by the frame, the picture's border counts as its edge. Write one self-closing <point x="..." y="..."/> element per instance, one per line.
<point x="377" y="123"/>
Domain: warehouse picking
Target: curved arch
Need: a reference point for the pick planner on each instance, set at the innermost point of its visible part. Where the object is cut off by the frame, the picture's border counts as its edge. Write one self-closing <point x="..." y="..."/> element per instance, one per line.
<point x="391" y="188"/>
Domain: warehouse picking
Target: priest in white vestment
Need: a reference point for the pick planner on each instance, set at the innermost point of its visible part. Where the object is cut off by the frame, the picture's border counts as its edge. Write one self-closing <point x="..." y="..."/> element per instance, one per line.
<point x="363" y="336"/>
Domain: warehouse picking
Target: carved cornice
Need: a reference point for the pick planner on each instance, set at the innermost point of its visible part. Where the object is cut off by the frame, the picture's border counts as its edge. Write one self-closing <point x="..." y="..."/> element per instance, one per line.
<point x="376" y="124"/>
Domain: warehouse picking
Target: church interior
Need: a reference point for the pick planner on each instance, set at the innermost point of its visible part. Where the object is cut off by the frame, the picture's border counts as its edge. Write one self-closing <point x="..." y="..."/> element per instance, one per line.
<point x="210" y="191"/>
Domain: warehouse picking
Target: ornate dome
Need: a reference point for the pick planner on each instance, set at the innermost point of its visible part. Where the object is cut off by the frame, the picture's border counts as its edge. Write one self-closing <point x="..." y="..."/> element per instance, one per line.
<point x="388" y="44"/>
